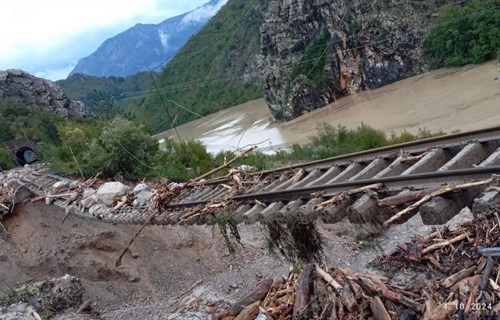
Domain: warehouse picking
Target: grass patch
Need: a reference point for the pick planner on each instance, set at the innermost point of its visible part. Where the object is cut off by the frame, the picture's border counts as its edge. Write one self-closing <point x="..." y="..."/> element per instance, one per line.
<point x="329" y="141"/>
<point x="228" y="228"/>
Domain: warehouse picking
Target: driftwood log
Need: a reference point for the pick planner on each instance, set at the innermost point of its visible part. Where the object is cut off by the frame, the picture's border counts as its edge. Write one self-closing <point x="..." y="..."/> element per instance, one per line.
<point x="379" y="310"/>
<point x="303" y="291"/>
<point x="405" y="197"/>
<point x="438" y="192"/>
<point x="250" y="312"/>
<point x="257" y="294"/>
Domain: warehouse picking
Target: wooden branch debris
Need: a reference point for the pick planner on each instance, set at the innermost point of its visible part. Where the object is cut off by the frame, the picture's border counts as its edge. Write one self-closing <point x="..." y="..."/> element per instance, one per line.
<point x="226" y="165"/>
<point x="328" y="279"/>
<point x="298" y="176"/>
<point x="125" y="200"/>
<point x="7" y="203"/>
<point x="379" y="310"/>
<point x="345" y="195"/>
<point x="406" y="197"/>
<point x="407" y="157"/>
<point x="256" y="295"/>
<point x="456" y="282"/>
<point x="459" y="276"/>
<point x="445" y="243"/>
<point x="303" y="291"/>
<point x="441" y="191"/>
<point x="309" y="295"/>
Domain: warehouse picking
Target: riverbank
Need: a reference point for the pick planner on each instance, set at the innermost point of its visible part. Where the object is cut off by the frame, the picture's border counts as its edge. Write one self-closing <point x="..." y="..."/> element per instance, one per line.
<point x="451" y="99"/>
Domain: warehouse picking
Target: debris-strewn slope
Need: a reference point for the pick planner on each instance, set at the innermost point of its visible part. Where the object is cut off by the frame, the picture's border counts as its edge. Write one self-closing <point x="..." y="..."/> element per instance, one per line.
<point x="454" y="279"/>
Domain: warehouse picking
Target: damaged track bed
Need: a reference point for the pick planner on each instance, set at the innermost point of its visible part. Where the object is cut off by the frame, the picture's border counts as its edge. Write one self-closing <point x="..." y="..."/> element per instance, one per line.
<point x="371" y="186"/>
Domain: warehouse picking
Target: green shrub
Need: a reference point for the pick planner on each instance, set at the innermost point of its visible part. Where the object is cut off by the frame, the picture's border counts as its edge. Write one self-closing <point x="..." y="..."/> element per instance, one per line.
<point x="314" y="60"/>
<point x="330" y="141"/>
<point x="5" y="159"/>
<point x="183" y="161"/>
<point x="122" y="148"/>
<point x="6" y="132"/>
<point x="466" y="34"/>
<point x="74" y="136"/>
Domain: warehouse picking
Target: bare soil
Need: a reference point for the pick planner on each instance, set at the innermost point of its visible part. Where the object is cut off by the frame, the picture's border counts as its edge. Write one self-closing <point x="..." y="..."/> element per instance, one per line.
<point x="164" y="261"/>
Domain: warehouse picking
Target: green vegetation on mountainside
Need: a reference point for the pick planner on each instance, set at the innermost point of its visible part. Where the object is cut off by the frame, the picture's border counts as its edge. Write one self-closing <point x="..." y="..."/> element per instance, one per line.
<point x="465" y="34"/>
<point x="213" y="71"/>
<point x="83" y="87"/>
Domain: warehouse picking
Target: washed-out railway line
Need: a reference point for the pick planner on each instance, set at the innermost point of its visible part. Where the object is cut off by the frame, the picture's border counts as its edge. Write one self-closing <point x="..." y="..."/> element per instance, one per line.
<point x="387" y="180"/>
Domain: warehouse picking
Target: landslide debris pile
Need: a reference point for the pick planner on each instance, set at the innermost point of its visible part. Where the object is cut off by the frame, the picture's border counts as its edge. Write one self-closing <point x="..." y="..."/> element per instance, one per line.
<point x="461" y="279"/>
<point x="6" y="200"/>
<point x="43" y="299"/>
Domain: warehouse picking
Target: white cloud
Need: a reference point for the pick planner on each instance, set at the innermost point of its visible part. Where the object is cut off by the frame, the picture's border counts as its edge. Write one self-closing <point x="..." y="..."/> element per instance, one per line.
<point x="55" y="74"/>
<point x="204" y="12"/>
<point x="40" y="36"/>
<point x="163" y="38"/>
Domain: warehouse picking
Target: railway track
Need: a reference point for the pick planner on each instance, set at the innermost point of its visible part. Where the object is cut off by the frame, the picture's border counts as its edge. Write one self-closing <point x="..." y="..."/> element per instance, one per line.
<point x="292" y="194"/>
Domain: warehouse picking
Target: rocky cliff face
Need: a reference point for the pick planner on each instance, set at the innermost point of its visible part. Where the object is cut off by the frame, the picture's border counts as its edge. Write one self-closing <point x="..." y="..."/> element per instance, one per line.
<point x="315" y="51"/>
<point x="37" y="93"/>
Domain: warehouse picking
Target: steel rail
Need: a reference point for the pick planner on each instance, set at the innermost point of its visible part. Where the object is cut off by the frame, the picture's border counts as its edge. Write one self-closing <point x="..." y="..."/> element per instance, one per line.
<point x="446" y="141"/>
<point x="394" y="183"/>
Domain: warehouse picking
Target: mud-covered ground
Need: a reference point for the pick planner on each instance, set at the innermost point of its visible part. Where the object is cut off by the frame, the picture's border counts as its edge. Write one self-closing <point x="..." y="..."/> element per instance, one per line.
<point x="164" y="261"/>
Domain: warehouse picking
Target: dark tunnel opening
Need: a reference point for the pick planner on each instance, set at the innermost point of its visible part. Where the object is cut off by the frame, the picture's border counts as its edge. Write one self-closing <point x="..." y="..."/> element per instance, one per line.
<point x="26" y="155"/>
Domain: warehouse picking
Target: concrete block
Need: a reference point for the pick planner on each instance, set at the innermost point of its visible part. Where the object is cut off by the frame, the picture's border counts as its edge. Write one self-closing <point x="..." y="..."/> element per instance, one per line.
<point x="486" y="203"/>
<point x="432" y="161"/>
<point x="311" y="176"/>
<point x="371" y="170"/>
<point x="348" y="172"/>
<point x="366" y="209"/>
<point x="472" y="154"/>
<point x="492" y="160"/>
<point x="252" y="215"/>
<point x="440" y="209"/>
<point x="336" y="212"/>
<point x="288" y="214"/>
<point x="306" y="213"/>
<point x="395" y="168"/>
<point x="238" y="215"/>
<point x="269" y="214"/>
<point x="327" y="176"/>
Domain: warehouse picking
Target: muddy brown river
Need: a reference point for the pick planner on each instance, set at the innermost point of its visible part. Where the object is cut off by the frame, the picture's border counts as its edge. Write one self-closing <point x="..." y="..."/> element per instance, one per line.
<point x="464" y="99"/>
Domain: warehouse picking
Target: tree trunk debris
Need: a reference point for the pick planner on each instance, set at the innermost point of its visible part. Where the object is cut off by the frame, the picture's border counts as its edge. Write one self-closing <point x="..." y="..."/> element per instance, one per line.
<point x="459" y="282"/>
<point x="438" y="192"/>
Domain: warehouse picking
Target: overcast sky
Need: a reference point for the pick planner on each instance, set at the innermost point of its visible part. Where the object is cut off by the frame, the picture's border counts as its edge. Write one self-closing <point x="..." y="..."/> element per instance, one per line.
<point x="48" y="37"/>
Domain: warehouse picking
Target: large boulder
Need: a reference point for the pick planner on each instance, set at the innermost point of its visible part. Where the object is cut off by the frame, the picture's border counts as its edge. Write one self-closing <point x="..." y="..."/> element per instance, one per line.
<point x="142" y="193"/>
<point x="110" y="191"/>
<point x="39" y="94"/>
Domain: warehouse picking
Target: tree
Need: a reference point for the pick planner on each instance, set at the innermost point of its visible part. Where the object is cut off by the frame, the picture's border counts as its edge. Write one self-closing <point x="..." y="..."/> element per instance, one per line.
<point x="123" y="147"/>
<point x="466" y="34"/>
<point x="104" y="106"/>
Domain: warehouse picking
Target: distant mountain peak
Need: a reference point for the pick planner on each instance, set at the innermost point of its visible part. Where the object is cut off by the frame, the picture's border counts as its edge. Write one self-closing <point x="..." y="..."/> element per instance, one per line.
<point x="146" y="46"/>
